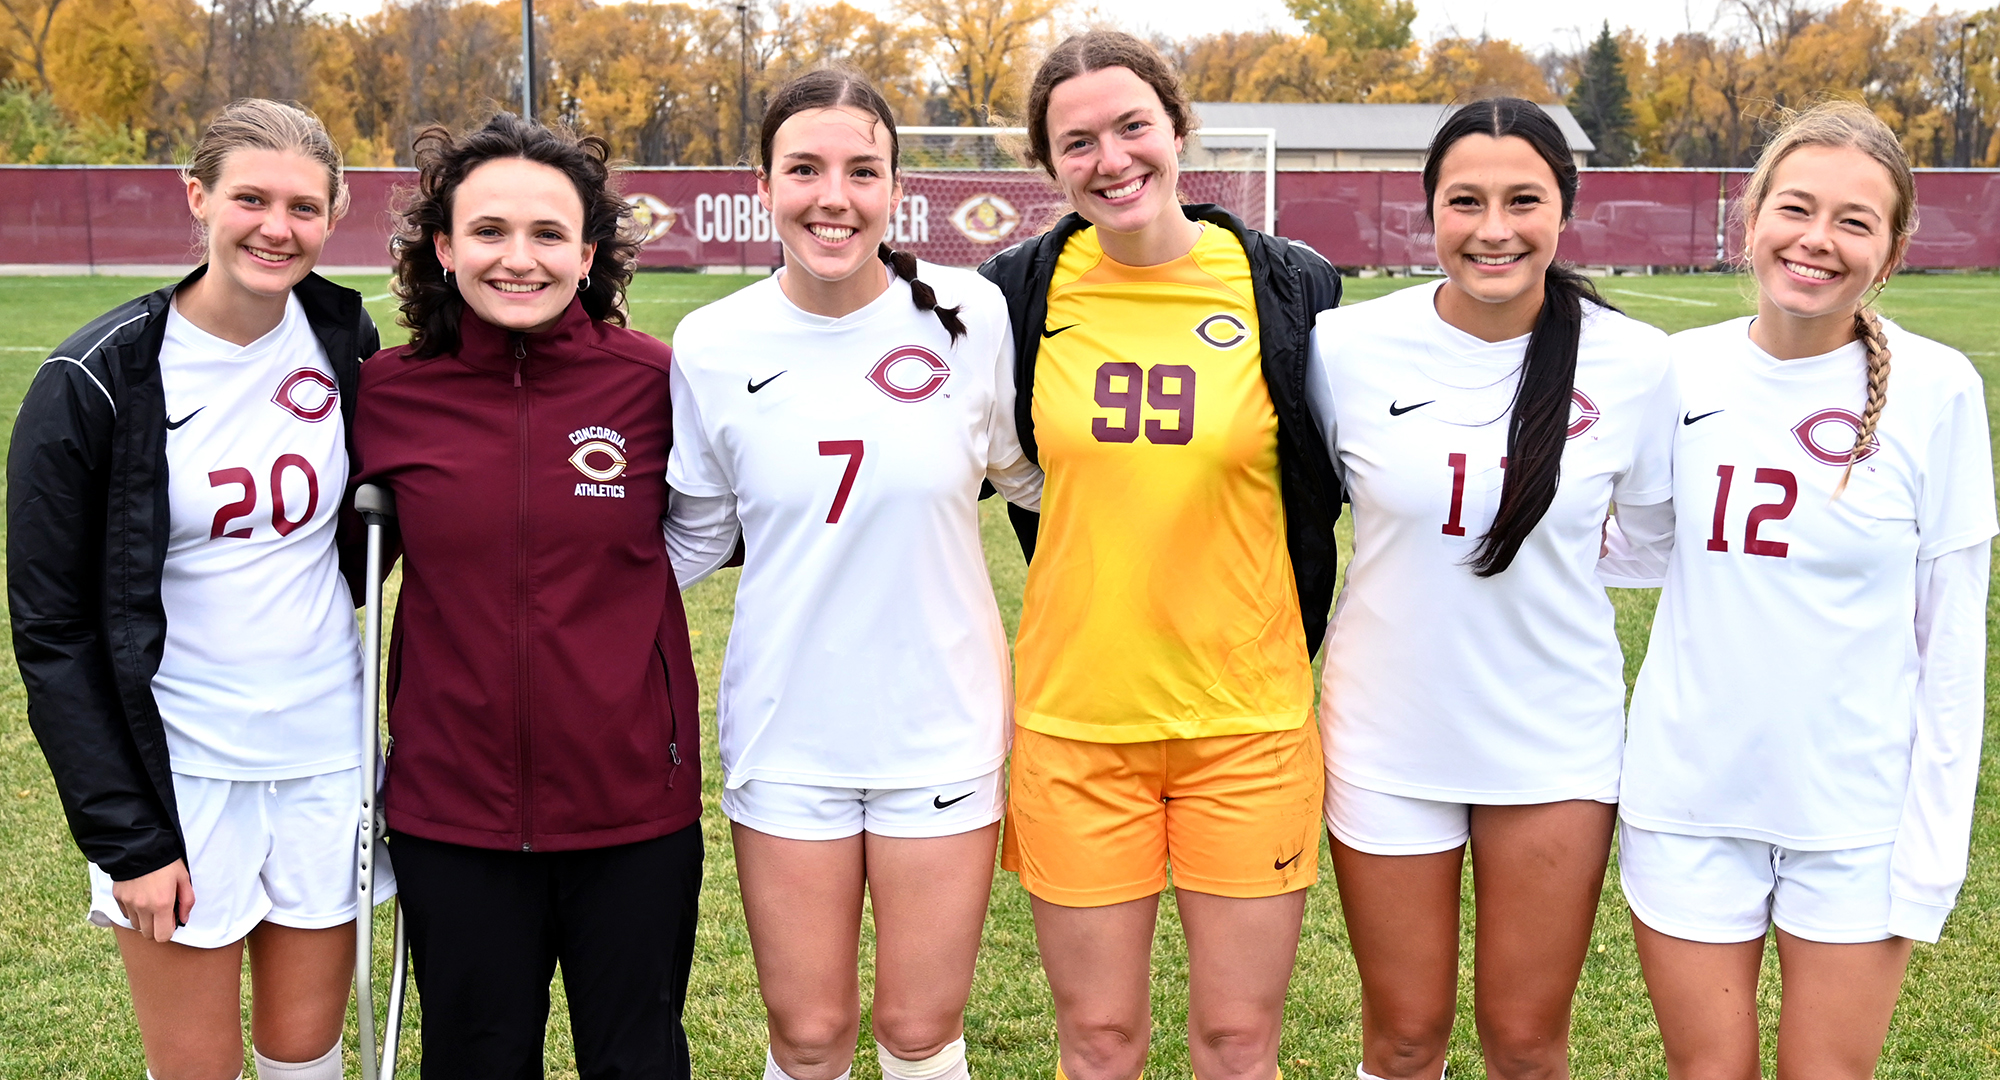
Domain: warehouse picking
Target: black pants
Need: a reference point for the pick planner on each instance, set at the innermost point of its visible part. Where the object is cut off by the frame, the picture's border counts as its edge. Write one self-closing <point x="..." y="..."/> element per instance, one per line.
<point x="487" y="929"/>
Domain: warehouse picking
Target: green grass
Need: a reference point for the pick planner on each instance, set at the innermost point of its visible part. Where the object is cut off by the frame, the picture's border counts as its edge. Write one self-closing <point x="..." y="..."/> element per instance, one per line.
<point x="64" y="1010"/>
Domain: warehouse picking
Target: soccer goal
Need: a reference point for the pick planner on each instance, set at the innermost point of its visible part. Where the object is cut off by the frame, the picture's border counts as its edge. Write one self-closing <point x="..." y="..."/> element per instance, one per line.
<point x="967" y="195"/>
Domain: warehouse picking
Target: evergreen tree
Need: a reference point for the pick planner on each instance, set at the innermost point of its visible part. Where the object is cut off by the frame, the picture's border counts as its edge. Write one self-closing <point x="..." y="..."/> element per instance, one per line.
<point x="1601" y="102"/>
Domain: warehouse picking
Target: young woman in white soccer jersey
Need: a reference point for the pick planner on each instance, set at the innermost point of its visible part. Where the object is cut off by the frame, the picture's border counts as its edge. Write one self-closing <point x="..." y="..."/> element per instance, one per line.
<point x="184" y="633"/>
<point x="840" y="417"/>
<point x="1473" y="688"/>
<point x="1805" y="732"/>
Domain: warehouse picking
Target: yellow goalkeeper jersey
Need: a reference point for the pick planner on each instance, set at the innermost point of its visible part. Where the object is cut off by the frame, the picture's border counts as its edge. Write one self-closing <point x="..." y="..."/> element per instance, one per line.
<point x="1161" y="602"/>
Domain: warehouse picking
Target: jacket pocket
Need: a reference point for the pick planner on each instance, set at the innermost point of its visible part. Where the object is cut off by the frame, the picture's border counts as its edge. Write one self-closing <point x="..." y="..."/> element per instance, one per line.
<point x="673" y="720"/>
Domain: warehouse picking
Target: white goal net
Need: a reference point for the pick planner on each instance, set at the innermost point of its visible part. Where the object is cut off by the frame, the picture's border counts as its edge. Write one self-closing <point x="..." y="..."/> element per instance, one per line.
<point x="967" y="196"/>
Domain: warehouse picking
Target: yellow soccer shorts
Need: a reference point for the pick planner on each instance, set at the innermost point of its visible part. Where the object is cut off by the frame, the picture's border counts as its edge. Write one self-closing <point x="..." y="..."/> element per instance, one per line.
<point x="1091" y="824"/>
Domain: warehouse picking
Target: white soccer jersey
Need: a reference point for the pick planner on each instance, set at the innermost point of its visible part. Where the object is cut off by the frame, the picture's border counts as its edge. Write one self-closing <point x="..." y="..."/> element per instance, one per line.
<point x="1439" y="684"/>
<point x="1784" y="696"/>
<point x="867" y="649"/>
<point x="261" y="674"/>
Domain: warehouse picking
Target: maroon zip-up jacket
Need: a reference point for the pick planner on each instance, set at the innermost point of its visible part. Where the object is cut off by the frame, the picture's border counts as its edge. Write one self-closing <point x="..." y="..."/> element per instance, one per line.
<point x="541" y="692"/>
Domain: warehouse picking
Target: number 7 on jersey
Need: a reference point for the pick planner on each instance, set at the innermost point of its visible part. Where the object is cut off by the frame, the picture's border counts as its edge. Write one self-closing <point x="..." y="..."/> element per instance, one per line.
<point x="836" y="448"/>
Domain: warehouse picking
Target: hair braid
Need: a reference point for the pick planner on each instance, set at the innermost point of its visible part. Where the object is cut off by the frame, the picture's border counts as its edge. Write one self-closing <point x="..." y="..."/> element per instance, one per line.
<point x="905" y="266"/>
<point x="1869" y="329"/>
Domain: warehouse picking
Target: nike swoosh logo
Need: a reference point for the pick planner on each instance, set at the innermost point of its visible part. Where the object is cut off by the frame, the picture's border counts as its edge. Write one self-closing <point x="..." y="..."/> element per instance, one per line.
<point x="941" y="802"/>
<point x="1295" y="858"/>
<point x="1394" y="411"/>
<point x="172" y="423"/>
<point x="1048" y="333"/>
<point x="756" y="386"/>
<point x="1687" y="418"/>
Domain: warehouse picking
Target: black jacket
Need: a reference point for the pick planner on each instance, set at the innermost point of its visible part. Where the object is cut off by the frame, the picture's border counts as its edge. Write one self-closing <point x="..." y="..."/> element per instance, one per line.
<point x="87" y="528"/>
<point x="1293" y="284"/>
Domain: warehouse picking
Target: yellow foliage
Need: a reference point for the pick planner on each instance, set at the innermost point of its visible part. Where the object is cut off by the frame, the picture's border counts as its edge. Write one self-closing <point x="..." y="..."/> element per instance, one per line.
<point x="1456" y="69"/>
<point x="983" y="49"/>
<point x="660" y="81"/>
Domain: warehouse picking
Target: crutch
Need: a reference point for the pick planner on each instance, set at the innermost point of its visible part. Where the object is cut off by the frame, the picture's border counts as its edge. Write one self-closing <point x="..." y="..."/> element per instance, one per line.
<point x="377" y="507"/>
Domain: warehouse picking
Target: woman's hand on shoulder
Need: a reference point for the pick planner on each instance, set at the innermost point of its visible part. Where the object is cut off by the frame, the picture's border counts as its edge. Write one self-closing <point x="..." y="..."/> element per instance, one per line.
<point x="157" y="903"/>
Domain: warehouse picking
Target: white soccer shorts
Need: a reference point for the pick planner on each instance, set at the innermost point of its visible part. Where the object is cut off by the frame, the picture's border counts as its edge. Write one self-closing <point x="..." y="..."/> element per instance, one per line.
<point x="1723" y="889"/>
<point x="1378" y="823"/>
<point x="277" y="850"/>
<point x="806" y="812"/>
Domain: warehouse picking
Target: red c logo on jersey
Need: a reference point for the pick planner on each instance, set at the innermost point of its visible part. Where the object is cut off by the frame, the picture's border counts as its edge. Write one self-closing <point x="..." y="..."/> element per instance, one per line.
<point x="911" y="373"/>
<point x="1585" y="415"/>
<point x="307" y="394"/>
<point x="1805" y="431"/>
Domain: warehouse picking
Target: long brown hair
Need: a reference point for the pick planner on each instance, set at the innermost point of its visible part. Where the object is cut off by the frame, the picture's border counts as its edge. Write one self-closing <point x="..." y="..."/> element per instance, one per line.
<point x="431" y="304"/>
<point x="1096" y="50"/>
<point x="1849" y="125"/>
<point x="837" y="86"/>
<point x="1538" y="421"/>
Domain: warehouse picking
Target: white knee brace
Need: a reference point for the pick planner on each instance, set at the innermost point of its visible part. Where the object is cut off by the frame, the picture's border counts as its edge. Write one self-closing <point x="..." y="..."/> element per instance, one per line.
<point x="947" y="1064"/>
<point x="1363" y="1074"/>
<point x="772" y="1072"/>
<point x="324" y="1067"/>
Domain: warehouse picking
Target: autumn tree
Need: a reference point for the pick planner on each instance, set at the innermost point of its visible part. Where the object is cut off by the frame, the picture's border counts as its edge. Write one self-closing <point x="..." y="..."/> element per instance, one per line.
<point x="810" y="35"/>
<point x="1601" y="100"/>
<point x="259" y="48"/>
<point x="981" y="48"/>
<point x="33" y="131"/>
<point x="28" y="44"/>
<point x="1357" y="26"/>
<point x="643" y="76"/>
<point x="1457" y="68"/>
<point x="1216" y="67"/>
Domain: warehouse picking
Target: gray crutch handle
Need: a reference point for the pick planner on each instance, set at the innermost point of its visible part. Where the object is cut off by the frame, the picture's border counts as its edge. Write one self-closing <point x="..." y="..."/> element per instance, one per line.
<point x="377" y="506"/>
<point x="375" y="503"/>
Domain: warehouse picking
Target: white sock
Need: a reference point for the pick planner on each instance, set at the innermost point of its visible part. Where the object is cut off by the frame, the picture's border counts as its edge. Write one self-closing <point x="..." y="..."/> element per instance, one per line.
<point x="324" y="1067"/>
<point x="947" y="1064"/>
<point x="1363" y="1074"/>
<point x="772" y="1072"/>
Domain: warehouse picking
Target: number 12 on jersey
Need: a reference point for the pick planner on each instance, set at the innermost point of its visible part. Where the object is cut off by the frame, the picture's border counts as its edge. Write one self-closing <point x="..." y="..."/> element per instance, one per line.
<point x="851" y="449"/>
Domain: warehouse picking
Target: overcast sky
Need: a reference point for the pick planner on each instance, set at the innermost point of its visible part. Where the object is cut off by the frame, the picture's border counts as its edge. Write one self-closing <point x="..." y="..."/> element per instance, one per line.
<point x="1535" y="24"/>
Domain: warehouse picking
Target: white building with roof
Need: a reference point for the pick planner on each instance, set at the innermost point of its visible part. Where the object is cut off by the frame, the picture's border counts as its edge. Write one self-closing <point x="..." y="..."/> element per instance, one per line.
<point x="1326" y="137"/>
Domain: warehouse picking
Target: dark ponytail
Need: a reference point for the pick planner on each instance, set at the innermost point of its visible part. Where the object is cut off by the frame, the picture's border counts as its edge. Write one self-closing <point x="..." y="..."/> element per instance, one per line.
<point x="1538" y="422"/>
<point x="905" y="266"/>
<point x="839" y="86"/>
<point x="1538" y="419"/>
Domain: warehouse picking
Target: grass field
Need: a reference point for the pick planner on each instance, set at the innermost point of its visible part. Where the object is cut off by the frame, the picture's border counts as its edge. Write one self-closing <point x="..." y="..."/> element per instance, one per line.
<point x="64" y="1010"/>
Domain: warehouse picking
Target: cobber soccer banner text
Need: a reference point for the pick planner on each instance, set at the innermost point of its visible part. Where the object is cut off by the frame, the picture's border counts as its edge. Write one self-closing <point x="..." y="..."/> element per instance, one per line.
<point x="61" y="217"/>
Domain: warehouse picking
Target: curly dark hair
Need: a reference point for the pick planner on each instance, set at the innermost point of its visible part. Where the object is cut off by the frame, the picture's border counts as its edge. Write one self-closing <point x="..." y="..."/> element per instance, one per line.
<point x="431" y="304"/>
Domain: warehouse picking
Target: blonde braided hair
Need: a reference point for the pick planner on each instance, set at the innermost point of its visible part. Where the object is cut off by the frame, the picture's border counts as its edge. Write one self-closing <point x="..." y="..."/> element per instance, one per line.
<point x="1852" y="125"/>
<point x="1868" y="327"/>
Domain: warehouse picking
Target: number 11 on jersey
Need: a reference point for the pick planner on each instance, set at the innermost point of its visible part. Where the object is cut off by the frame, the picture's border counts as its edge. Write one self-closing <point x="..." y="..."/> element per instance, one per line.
<point x="851" y="448"/>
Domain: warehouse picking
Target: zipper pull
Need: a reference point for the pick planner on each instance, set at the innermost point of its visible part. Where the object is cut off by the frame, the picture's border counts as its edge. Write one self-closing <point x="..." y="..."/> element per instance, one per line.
<point x="520" y="354"/>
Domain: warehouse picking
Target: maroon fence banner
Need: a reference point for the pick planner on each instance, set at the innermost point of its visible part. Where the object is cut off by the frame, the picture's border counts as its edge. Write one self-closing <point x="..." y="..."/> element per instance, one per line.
<point x="1623" y="218"/>
<point x="69" y="217"/>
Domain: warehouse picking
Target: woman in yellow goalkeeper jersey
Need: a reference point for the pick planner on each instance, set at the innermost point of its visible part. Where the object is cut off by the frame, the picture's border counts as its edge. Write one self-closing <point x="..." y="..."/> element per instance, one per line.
<point x="1180" y="573"/>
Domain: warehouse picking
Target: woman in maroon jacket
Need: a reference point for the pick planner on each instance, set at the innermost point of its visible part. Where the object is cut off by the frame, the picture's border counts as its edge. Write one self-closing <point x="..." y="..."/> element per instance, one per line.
<point x="543" y="784"/>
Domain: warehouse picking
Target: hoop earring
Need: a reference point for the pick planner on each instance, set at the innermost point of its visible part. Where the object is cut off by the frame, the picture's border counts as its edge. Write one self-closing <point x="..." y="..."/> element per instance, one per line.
<point x="448" y="279"/>
<point x="583" y="285"/>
